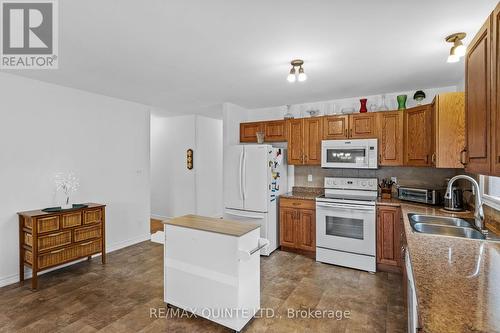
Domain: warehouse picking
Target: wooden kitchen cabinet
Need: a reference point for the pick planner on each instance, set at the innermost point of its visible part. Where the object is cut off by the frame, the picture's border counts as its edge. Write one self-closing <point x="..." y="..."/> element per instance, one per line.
<point x="298" y="226"/>
<point x="449" y="129"/>
<point x="304" y="141"/>
<point x="306" y="232"/>
<point x="248" y="131"/>
<point x="495" y="110"/>
<point x="312" y="140"/>
<point x="388" y="239"/>
<point x="418" y="136"/>
<point x="478" y="81"/>
<point x="363" y="126"/>
<point x="288" y="222"/>
<point x="275" y="131"/>
<point x="390" y="125"/>
<point x="335" y="127"/>
<point x="295" y="141"/>
<point x="354" y="126"/>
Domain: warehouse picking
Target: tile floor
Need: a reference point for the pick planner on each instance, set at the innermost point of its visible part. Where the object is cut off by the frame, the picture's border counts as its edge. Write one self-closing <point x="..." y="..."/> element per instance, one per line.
<point x="118" y="297"/>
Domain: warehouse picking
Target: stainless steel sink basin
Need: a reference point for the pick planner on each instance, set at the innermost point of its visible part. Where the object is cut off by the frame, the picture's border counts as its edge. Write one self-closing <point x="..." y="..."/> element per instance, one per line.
<point x="440" y="220"/>
<point x="446" y="230"/>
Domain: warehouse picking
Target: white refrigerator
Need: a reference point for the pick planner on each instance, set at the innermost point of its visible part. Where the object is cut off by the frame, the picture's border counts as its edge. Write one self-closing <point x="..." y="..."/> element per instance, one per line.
<point x="254" y="177"/>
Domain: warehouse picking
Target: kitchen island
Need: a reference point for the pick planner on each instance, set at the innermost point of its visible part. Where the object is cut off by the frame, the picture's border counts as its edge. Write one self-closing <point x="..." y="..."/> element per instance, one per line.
<point x="212" y="268"/>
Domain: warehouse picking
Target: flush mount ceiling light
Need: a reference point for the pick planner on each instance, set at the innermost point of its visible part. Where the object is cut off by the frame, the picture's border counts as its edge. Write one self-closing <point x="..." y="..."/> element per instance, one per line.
<point x="458" y="49"/>
<point x="297" y="75"/>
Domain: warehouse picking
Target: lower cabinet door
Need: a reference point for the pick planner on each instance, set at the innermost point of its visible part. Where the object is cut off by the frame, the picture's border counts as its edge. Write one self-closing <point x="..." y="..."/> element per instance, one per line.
<point x="388" y="236"/>
<point x="306" y="225"/>
<point x="288" y="217"/>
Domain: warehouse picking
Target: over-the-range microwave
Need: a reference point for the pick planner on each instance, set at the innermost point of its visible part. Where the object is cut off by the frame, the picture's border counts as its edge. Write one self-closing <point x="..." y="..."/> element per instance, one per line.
<point x="357" y="153"/>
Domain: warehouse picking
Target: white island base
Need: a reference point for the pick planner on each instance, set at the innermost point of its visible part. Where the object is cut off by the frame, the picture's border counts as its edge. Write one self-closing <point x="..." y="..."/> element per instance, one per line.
<point x="212" y="268"/>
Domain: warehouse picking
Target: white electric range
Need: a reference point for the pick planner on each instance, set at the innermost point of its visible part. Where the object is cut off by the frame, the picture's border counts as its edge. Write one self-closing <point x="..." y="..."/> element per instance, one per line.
<point x="345" y="223"/>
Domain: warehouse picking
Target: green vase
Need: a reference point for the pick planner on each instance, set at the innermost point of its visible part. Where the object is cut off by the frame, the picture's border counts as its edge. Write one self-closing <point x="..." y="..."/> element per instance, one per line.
<point x="401" y="102"/>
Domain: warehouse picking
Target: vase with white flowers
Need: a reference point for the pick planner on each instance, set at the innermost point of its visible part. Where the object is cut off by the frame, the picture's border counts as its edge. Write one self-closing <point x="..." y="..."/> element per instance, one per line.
<point x="67" y="183"/>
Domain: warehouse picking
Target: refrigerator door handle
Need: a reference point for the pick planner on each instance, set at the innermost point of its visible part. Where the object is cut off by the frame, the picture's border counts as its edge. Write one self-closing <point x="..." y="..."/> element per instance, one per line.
<point x="243" y="179"/>
<point x="240" y="175"/>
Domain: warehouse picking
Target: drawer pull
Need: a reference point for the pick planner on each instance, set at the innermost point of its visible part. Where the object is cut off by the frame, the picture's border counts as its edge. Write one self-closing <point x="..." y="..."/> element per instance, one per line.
<point x="56" y="251"/>
<point x="54" y="235"/>
<point x="296" y="203"/>
<point x="87" y="243"/>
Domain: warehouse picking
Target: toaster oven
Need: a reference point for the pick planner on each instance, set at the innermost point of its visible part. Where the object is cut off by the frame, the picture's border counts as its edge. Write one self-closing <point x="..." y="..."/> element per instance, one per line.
<point x="421" y="195"/>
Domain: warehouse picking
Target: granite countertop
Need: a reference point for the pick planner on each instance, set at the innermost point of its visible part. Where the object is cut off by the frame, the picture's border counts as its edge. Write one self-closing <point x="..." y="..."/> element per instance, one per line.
<point x="210" y="224"/>
<point x="304" y="193"/>
<point x="457" y="280"/>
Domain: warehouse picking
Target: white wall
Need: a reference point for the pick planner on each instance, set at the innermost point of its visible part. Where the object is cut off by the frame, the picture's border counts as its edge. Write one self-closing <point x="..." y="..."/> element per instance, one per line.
<point x="175" y="190"/>
<point x="208" y="166"/>
<point x="46" y="128"/>
<point x="299" y="110"/>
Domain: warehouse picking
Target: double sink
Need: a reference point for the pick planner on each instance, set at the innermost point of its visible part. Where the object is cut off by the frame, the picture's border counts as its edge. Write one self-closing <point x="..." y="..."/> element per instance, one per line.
<point x="447" y="226"/>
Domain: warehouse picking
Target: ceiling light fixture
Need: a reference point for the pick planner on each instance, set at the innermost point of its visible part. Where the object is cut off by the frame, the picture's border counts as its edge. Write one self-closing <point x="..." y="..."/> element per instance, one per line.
<point x="458" y="49"/>
<point x="292" y="76"/>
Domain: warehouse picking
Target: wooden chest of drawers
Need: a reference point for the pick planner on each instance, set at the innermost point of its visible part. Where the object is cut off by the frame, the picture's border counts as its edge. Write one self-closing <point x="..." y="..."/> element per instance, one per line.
<point x="47" y="240"/>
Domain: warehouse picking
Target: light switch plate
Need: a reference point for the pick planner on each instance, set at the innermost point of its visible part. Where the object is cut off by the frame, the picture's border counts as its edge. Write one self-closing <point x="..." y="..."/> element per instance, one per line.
<point x="309" y="178"/>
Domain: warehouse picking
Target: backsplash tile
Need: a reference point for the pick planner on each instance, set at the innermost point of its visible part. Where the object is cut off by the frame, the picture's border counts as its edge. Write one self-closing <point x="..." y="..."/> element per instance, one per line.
<point x="406" y="176"/>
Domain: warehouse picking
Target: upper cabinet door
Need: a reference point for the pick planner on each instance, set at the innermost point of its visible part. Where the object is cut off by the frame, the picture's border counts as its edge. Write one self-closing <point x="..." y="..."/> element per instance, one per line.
<point x="449" y="123"/>
<point x="335" y="127"/>
<point x="418" y="136"/>
<point x="312" y="140"/>
<point x="478" y="101"/>
<point x="390" y="138"/>
<point x="248" y="131"/>
<point x="363" y="126"/>
<point x="495" y="110"/>
<point x="295" y="141"/>
<point x="275" y="131"/>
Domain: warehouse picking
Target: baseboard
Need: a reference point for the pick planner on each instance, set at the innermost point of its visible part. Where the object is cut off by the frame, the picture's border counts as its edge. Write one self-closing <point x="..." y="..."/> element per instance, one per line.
<point x="5" y="281"/>
<point x="128" y="242"/>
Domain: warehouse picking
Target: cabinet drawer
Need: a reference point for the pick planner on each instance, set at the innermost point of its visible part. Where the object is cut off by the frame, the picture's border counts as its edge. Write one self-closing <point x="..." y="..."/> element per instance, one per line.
<point x="28" y="239"/>
<point x="92" y="216"/>
<point x="297" y="203"/>
<point x="56" y="257"/>
<point x="71" y="220"/>
<point x="88" y="248"/>
<point x="28" y="257"/>
<point x="63" y="255"/>
<point x="47" y="224"/>
<point x="81" y="234"/>
<point x="54" y="240"/>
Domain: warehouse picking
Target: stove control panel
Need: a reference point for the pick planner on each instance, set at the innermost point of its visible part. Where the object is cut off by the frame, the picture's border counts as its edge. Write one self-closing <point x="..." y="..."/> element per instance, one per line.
<point x="369" y="184"/>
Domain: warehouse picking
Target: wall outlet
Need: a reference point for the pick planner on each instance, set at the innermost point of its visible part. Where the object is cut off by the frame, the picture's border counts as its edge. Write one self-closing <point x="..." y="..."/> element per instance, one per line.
<point x="394" y="180"/>
<point x="309" y="178"/>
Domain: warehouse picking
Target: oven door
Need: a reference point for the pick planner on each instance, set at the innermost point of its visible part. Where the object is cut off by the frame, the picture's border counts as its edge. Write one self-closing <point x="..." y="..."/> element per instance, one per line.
<point x="346" y="227"/>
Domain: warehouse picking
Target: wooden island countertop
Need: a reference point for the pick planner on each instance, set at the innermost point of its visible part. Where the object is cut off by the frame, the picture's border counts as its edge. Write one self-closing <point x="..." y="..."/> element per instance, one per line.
<point x="210" y="224"/>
